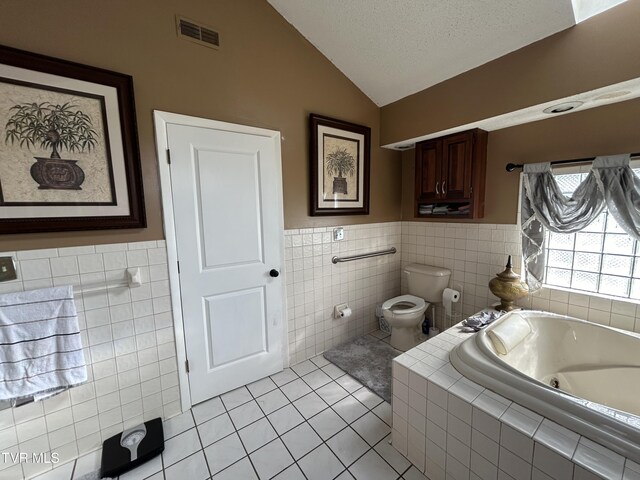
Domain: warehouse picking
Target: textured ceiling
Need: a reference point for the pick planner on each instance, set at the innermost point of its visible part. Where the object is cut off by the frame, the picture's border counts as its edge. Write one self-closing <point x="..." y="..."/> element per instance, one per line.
<point x="393" y="48"/>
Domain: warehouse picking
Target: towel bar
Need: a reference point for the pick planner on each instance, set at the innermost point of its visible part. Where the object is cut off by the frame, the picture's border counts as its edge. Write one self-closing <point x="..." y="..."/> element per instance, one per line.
<point x="389" y="251"/>
<point x="134" y="279"/>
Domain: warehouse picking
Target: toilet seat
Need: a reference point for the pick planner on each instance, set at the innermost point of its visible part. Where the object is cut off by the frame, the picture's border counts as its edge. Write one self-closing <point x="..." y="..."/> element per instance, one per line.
<point x="417" y="302"/>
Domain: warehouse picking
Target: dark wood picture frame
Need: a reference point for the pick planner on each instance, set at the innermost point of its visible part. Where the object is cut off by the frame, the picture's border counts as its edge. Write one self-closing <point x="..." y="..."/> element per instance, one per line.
<point x="123" y="85"/>
<point x="318" y="206"/>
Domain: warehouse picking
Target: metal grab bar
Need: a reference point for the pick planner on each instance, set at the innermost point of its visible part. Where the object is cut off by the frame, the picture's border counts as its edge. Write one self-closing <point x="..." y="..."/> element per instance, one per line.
<point x="390" y="251"/>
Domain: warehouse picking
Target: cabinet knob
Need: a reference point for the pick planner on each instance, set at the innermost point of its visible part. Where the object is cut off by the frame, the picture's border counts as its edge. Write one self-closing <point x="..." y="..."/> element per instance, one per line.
<point x="274" y="273"/>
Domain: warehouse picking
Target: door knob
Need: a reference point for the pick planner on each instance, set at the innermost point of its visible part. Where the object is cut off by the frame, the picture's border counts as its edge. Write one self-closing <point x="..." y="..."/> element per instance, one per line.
<point x="274" y="273"/>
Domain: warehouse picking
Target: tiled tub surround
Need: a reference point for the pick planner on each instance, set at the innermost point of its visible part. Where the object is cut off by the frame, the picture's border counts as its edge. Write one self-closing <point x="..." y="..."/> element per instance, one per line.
<point x="594" y="364"/>
<point x="452" y="428"/>
<point x="315" y="285"/>
<point x="476" y="252"/>
<point x="129" y="346"/>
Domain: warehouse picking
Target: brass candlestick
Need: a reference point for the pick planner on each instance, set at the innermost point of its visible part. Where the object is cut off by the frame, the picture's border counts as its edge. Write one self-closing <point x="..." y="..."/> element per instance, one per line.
<point x="508" y="288"/>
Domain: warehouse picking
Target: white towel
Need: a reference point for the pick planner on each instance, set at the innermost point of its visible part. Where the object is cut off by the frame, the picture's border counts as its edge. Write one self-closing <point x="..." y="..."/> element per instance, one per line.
<point x="509" y="333"/>
<point x="40" y="347"/>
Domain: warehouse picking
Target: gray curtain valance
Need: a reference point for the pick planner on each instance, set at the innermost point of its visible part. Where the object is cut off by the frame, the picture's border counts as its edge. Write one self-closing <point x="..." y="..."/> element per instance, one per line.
<point x="611" y="183"/>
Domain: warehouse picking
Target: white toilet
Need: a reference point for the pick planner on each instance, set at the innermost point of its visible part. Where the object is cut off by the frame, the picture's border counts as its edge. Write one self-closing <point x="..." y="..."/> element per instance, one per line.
<point x="406" y="312"/>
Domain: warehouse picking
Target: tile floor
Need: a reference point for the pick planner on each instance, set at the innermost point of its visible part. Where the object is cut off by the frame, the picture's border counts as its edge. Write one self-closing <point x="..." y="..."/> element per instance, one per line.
<point x="311" y="421"/>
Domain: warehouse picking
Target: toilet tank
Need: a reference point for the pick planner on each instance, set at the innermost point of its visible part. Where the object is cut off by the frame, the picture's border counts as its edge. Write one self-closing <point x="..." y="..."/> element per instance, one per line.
<point x="427" y="282"/>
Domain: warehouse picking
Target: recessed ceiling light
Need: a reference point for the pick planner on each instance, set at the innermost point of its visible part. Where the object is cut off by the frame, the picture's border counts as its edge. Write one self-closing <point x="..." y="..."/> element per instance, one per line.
<point x="562" y="107"/>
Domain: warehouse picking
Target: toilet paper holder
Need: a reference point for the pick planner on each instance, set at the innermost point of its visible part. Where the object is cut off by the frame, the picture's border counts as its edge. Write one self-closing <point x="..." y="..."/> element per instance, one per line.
<point x="341" y="310"/>
<point x="449" y="297"/>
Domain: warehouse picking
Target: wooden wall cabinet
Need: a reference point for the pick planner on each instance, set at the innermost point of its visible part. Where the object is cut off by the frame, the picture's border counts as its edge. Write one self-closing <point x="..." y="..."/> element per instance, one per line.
<point x="450" y="176"/>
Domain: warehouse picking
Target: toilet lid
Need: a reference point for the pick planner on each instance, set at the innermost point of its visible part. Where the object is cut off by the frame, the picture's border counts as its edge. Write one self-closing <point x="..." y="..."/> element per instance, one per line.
<point x="417" y="302"/>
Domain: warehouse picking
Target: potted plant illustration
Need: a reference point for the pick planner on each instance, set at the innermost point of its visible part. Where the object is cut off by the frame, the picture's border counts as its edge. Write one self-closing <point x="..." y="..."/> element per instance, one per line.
<point x="46" y="125"/>
<point x="342" y="163"/>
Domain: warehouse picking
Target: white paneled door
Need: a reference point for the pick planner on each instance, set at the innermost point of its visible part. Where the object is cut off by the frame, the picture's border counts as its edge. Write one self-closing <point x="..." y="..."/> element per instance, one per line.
<point x="227" y="202"/>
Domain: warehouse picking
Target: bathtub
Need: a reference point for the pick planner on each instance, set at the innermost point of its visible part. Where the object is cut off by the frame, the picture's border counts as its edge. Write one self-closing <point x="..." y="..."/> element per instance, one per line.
<point x="582" y="375"/>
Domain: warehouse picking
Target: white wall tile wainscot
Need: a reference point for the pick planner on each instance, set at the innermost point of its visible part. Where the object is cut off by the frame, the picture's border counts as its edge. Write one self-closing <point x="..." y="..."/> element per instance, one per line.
<point x="315" y="285"/>
<point x="129" y="347"/>
<point x="452" y="428"/>
<point x="476" y="252"/>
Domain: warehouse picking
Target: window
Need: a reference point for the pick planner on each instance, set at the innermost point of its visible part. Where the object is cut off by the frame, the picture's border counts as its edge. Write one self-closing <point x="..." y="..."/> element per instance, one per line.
<point x="583" y="9"/>
<point x="602" y="258"/>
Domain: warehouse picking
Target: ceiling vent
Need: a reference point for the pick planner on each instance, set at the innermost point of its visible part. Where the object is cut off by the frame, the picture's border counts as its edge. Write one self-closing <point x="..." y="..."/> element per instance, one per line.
<point x="197" y="32"/>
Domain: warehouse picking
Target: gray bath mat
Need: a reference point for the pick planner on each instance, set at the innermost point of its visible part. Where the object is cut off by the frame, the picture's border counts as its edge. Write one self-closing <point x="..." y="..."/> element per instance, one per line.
<point x="368" y="360"/>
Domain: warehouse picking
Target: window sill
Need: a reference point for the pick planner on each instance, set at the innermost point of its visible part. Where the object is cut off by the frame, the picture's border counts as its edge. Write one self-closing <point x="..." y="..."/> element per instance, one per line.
<point x="591" y="294"/>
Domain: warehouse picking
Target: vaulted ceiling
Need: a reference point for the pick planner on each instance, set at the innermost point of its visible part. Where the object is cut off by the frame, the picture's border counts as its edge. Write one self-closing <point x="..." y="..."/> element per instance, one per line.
<point x="393" y="48"/>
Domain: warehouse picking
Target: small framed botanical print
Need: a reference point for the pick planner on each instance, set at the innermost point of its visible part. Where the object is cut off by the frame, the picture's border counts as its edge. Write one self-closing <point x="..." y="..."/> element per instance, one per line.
<point x="339" y="167"/>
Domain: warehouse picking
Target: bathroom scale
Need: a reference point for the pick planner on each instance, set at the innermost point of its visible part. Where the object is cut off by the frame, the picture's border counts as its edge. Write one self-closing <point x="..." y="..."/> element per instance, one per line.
<point x="131" y="448"/>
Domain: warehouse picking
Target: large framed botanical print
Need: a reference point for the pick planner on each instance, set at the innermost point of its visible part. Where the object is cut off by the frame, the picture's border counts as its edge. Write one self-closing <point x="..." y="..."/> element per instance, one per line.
<point x="69" y="157"/>
<point x="339" y="167"/>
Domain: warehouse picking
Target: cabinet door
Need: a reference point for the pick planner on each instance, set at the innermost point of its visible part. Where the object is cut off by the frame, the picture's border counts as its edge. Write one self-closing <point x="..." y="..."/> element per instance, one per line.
<point x="428" y="170"/>
<point x="457" y="153"/>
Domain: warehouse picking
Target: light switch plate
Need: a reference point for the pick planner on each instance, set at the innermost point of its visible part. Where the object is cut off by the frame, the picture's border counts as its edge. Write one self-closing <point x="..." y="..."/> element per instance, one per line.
<point x="338" y="234"/>
<point x="7" y="269"/>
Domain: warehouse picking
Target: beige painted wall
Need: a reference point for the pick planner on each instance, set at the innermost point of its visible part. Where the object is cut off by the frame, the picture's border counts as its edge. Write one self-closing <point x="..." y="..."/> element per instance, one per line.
<point x="266" y="75"/>
<point x="600" y="131"/>
<point x="598" y="52"/>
